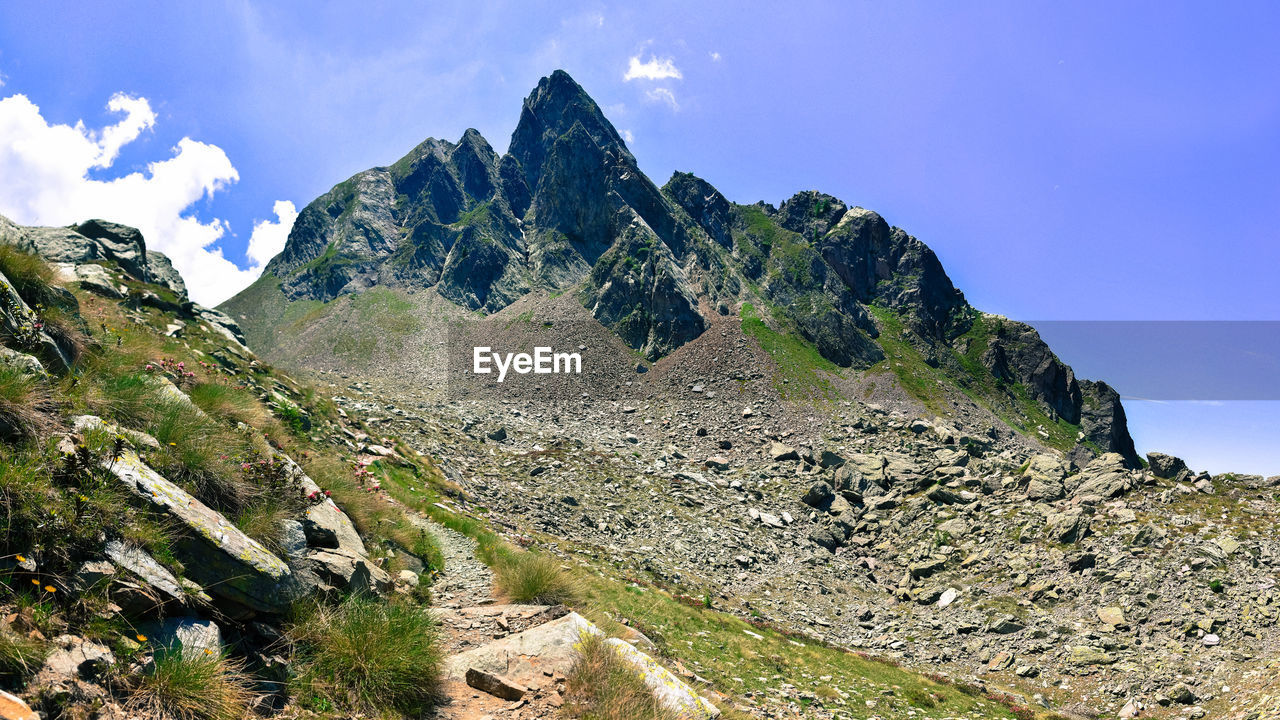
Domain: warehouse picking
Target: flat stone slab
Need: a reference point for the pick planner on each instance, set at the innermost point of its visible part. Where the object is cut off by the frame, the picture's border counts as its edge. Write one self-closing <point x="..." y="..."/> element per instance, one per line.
<point x="524" y="656"/>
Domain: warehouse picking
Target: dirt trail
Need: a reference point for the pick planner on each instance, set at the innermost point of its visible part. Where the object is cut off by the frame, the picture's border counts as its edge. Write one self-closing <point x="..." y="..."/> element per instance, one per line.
<point x="470" y="618"/>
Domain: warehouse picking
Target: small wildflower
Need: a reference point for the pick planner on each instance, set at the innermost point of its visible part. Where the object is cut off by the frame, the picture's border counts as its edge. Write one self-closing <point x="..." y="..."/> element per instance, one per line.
<point x="20" y="558"/>
<point x="50" y="588"/>
<point x="35" y="582"/>
<point x="141" y="637"/>
<point x="84" y="498"/>
<point x="207" y="651"/>
<point x="173" y="444"/>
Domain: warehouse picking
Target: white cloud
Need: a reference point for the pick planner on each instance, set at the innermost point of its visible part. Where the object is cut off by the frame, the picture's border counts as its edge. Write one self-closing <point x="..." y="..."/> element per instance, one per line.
<point x="663" y="95"/>
<point x="44" y="180"/>
<point x="715" y="56"/>
<point x="655" y="68"/>
<point x="626" y="135"/>
<point x="269" y="237"/>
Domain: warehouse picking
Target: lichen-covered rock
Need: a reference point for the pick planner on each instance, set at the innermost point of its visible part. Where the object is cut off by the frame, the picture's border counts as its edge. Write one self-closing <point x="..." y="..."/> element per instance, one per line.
<point x="674" y="694"/>
<point x="22" y="361"/>
<point x="216" y="553"/>
<point x="1044" y="476"/>
<point x="152" y="574"/>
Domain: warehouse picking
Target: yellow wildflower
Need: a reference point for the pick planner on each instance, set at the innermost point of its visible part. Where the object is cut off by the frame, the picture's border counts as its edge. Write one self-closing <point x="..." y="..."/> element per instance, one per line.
<point x="20" y="558"/>
<point x="49" y="588"/>
<point x="141" y="637"/>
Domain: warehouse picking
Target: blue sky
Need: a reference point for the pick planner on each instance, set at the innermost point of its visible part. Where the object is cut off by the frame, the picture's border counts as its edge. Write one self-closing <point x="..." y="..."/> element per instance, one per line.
<point x="1083" y="161"/>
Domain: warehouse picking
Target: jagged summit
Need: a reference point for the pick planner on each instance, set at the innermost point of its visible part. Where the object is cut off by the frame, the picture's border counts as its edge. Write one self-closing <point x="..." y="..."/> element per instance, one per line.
<point x="551" y="110"/>
<point x="567" y="211"/>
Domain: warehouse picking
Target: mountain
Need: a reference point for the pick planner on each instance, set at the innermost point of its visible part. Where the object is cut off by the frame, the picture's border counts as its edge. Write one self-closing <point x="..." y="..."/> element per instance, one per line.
<point x="567" y="211"/>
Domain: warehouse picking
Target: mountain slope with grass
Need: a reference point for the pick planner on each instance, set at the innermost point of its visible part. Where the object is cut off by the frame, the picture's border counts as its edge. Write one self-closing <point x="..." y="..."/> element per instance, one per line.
<point x="454" y="230"/>
<point x="189" y="532"/>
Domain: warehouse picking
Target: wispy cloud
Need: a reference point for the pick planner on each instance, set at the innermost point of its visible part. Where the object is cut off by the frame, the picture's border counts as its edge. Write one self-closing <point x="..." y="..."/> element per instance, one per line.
<point x="655" y="68"/>
<point x="663" y="95"/>
<point x="46" y="167"/>
<point x="715" y="56"/>
<point x="626" y="135"/>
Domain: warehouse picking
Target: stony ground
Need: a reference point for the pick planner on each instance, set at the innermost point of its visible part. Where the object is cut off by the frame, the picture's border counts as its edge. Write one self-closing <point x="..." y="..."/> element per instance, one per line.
<point x="1087" y="591"/>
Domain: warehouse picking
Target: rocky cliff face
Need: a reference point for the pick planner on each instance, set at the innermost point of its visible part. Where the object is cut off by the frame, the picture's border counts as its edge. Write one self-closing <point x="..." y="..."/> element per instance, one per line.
<point x="567" y="209"/>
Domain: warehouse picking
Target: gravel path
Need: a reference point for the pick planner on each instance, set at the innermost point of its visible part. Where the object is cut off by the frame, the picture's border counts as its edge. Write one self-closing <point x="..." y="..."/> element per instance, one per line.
<point x="465" y="581"/>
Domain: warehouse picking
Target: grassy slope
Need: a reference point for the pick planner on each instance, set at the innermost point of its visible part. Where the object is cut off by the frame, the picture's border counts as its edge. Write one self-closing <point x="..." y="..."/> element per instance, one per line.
<point x="355" y="329"/>
<point x="963" y="371"/>
<point x="55" y="511"/>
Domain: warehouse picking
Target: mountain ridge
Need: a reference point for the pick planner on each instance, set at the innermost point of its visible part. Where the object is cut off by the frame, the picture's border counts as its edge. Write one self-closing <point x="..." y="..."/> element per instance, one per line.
<point x="567" y="209"/>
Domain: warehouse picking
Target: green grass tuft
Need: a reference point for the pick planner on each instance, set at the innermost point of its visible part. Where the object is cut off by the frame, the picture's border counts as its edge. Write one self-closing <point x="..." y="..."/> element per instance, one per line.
<point x="367" y="656"/>
<point x="528" y="577"/>
<point x="192" y="687"/>
<point x="602" y="686"/>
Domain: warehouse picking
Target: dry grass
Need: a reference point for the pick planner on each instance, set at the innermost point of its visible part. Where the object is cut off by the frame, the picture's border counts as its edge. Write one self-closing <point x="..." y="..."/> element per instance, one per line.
<point x="527" y="577"/>
<point x="26" y="408"/>
<point x="602" y="686"/>
<point x="19" y="655"/>
<point x="187" y="687"/>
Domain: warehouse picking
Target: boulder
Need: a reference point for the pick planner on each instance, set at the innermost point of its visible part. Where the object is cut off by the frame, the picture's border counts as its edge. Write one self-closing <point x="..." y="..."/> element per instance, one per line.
<point x="22" y="361"/>
<point x="12" y="708"/>
<point x="819" y="495"/>
<point x="1111" y="616"/>
<point x="1165" y="466"/>
<point x="1044" y="476"/>
<point x="323" y="522"/>
<point x="782" y="453"/>
<point x="335" y="571"/>
<point x="95" y="279"/>
<point x="157" y="584"/>
<point x="20" y="323"/>
<point x="1085" y="656"/>
<point x="1106" y="477"/>
<point x="827" y="537"/>
<point x="495" y="685"/>
<point x="524" y="656"/>
<point x="717" y="462"/>
<point x="74" y="658"/>
<point x="216" y="553"/>
<point x="1067" y="527"/>
<point x="193" y="637"/>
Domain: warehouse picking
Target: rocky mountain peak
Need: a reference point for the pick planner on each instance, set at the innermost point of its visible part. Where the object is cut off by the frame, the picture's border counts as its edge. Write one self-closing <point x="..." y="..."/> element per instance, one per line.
<point x="551" y="110"/>
<point x="567" y="211"/>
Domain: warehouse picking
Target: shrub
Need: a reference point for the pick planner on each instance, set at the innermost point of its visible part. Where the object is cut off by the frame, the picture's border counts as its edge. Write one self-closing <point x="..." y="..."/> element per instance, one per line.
<point x="192" y="687"/>
<point x="602" y="686"/>
<point x="528" y="577"/>
<point x="367" y="656"/>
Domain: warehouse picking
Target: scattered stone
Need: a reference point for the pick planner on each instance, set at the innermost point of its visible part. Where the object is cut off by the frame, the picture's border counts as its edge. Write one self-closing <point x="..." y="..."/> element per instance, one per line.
<point x="495" y="685"/>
